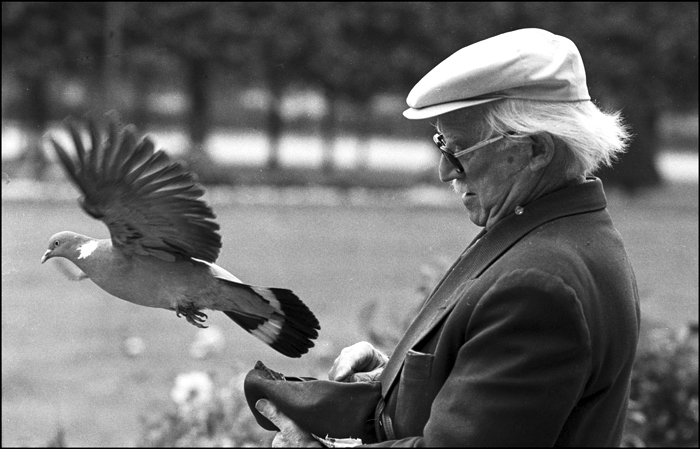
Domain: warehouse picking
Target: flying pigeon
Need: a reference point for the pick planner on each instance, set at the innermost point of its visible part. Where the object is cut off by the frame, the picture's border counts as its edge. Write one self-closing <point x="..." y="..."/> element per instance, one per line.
<point x="164" y="241"/>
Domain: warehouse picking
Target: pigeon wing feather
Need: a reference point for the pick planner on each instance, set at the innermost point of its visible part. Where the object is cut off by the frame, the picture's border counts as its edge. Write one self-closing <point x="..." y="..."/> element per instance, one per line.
<point x="151" y="205"/>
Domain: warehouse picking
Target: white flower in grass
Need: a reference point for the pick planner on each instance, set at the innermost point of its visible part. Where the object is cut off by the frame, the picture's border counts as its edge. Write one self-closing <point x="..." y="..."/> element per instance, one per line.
<point x="133" y="346"/>
<point x="192" y="389"/>
<point x="208" y="341"/>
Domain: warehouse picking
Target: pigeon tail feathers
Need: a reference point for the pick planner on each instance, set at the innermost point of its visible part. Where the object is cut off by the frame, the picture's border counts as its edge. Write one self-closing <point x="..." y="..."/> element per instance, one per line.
<point x="155" y="212"/>
<point x="289" y="330"/>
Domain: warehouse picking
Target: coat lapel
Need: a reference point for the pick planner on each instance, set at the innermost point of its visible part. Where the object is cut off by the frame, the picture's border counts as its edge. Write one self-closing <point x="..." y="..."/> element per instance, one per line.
<point x="481" y="254"/>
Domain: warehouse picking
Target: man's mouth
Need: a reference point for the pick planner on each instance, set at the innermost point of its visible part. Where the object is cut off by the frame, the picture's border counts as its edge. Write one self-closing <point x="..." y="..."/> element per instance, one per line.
<point x="468" y="198"/>
<point x="460" y="188"/>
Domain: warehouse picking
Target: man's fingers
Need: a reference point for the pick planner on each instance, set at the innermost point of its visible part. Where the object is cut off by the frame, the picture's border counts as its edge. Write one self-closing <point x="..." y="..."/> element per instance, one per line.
<point x="361" y="357"/>
<point x="269" y="411"/>
<point x="340" y="371"/>
<point x="290" y="434"/>
<point x="355" y="358"/>
<point x="265" y="408"/>
<point x="360" y="377"/>
<point x="366" y="377"/>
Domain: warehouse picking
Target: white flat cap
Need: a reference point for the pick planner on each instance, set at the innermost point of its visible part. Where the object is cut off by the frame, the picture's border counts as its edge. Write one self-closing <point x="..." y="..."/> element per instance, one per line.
<point x="528" y="64"/>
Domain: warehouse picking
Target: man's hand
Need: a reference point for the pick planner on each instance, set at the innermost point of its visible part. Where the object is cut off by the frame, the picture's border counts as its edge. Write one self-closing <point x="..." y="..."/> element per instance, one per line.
<point x="290" y="434"/>
<point x="357" y="363"/>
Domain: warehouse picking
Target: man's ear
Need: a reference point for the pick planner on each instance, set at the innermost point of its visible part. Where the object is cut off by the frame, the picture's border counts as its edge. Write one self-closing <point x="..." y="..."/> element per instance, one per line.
<point x="542" y="151"/>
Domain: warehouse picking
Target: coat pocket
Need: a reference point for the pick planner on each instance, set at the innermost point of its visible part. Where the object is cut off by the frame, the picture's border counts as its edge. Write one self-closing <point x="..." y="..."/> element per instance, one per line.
<point x="417" y="365"/>
<point x="416" y="391"/>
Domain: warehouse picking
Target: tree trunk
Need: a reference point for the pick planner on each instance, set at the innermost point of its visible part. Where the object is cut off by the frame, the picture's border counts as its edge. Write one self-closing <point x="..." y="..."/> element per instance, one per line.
<point x="329" y="133"/>
<point x="113" y="48"/>
<point x="142" y="86"/>
<point x="364" y="132"/>
<point x="36" y="115"/>
<point x="274" y="126"/>
<point x="636" y="169"/>
<point x="198" y="120"/>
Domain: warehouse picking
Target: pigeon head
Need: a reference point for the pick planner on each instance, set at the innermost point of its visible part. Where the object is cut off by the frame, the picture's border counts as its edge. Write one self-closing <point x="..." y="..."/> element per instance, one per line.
<point x="69" y="245"/>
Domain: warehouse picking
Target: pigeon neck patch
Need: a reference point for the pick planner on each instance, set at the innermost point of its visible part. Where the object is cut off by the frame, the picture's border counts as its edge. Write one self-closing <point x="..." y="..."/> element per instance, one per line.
<point x="87" y="248"/>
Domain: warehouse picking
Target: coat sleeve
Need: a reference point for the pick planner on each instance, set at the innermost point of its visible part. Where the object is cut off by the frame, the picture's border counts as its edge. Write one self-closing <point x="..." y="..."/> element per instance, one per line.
<point x="523" y="366"/>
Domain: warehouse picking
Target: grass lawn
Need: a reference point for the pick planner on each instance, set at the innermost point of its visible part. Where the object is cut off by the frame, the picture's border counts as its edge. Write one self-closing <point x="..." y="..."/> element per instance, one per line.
<point x="62" y="362"/>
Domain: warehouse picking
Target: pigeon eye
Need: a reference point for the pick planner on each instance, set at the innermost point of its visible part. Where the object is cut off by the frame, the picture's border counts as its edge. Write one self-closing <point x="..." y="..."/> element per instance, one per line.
<point x="56" y="243"/>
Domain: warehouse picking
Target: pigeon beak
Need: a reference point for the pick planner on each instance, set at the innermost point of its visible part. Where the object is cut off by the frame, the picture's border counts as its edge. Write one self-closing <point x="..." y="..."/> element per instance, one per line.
<point x="47" y="255"/>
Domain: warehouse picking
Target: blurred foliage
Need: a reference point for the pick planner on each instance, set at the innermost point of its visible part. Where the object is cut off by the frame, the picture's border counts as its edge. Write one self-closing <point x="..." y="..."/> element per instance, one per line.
<point x="663" y="409"/>
<point x="203" y="414"/>
<point x="641" y="57"/>
<point x="386" y="338"/>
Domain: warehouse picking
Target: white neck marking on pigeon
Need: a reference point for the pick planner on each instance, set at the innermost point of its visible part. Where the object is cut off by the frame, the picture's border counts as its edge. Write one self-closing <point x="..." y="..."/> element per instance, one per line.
<point x="87" y="248"/>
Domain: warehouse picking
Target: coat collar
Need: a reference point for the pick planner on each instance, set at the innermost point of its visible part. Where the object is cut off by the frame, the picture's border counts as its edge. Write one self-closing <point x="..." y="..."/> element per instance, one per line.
<point x="580" y="198"/>
<point x="576" y="199"/>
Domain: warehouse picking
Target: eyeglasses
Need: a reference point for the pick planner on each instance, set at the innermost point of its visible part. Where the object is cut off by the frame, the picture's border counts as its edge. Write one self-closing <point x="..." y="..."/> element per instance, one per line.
<point x="440" y="142"/>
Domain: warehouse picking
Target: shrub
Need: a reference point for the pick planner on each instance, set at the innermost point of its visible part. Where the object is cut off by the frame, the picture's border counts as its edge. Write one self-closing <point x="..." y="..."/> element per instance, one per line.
<point x="663" y="408"/>
<point x="204" y="415"/>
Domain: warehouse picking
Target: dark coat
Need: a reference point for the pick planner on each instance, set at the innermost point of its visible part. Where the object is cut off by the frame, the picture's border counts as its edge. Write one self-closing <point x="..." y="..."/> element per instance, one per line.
<point x="528" y="340"/>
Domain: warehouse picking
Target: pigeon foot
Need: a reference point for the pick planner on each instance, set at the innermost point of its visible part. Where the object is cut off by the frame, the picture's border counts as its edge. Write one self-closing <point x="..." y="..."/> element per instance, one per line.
<point x="192" y="315"/>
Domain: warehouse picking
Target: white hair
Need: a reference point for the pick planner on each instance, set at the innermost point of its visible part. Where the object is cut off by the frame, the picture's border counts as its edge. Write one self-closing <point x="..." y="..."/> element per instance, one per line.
<point x="592" y="136"/>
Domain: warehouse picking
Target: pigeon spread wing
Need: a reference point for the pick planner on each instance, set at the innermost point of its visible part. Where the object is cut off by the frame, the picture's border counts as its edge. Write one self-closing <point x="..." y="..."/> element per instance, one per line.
<point x="151" y="205"/>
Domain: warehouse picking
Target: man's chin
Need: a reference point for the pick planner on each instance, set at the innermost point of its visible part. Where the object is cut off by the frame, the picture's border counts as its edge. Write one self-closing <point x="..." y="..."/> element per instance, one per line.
<point x="476" y="215"/>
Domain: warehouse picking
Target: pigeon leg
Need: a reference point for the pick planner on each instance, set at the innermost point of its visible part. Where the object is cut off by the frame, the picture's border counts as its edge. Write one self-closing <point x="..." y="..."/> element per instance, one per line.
<point x="192" y="315"/>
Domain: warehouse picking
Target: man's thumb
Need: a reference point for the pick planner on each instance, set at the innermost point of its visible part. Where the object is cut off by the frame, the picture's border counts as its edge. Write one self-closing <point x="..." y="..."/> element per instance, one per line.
<point x="265" y="408"/>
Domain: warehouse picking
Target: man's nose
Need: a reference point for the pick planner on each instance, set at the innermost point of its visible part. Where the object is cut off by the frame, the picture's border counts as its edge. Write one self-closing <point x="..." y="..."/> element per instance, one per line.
<point x="446" y="171"/>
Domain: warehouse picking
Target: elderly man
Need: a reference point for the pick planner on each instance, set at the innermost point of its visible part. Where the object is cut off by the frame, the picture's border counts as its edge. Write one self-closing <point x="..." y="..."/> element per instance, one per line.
<point x="530" y="336"/>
